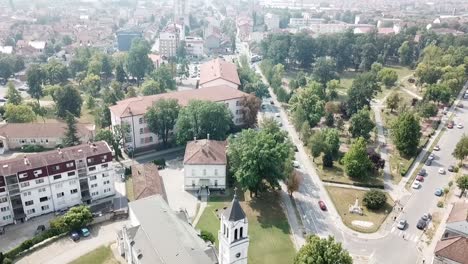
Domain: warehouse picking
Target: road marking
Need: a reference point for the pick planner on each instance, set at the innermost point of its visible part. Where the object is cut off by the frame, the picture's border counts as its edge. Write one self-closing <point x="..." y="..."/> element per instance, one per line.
<point x="393" y="229"/>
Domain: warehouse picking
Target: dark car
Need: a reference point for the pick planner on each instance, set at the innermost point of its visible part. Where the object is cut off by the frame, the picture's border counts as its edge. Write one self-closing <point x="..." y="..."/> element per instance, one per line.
<point x="428" y="162"/>
<point x="39" y="229"/>
<point x="422" y="172"/>
<point x="421" y="224"/>
<point x="451" y="168"/>
<point x="322" y="205"/>
<point x="295" y="149"/>
<point x="74" y="236"/>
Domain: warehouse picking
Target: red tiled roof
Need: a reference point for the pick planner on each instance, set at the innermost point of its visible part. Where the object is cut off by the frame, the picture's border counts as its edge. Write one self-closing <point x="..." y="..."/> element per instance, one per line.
<point x="218" y="68"/>
<point x="139" y="105"/>
<point x="146" y="181"/>
<point x="459" y="213"/>
<point x="205" y="151"/>
<point x="40" y="130"/>
<point x="455" y="249"/>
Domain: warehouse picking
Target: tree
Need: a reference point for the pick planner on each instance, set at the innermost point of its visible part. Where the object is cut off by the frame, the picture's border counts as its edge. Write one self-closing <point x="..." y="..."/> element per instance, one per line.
<point x="438" y="93"/>
<point x="92" y="84"/>
<point x="35" y="76"/>
<point x="374" y="199"/>
<point x="427" y="109"/>
<point x="326" y="141"/>
<point x="405" y="53"/>
<point x="361" y="124"/>
<point x="106" y="66"/>
<point x="200" y="118"/>
<point x="293" y="182"/>
<point x="164" y="77"/>
<point x="307" y="99"/>
<point x="323" y="251"/>
<point x="67" y="98"/>
<point x="112" y="138"/>
<point x="71" y="135"/>
<point x="120" y="74"/>
<point x="162" y="117"/>
<point x="388" y="77"/>
<point x="260" y="159"/>
<point x="6" y="69"/>
<point x="362" y="91"/>
<point x="329" y="119"/>
<point x="14" y="97"/>
<point x="19" y="113"/>
<point x="332" y="88"/>
<point x="324" y="70"/>
<point x="368" y="56"/>
<point x="429" y="74"/>
<point x="181" y="52"/>
<point x="250" y="106"/>
<point x="138" y="62"/>
<point x="462" y="183"/>
<point x="461" y="149"/>
<point x="207" y="236"/>
<point x="67" y="40"/>
<point x="131" y="92"/>
<point x="393" y="100"/>
<point x="55" y="72"/>
<point x="406" y="133"/>
<point x="151" y="87"/>
<point x="356" y="161"/>
<point x="77" y="217"/>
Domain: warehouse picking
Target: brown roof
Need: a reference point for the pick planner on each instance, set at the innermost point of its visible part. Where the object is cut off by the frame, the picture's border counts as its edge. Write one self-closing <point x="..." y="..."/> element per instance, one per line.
<point x="205" y="151"/>
<point x="218" y="68"/>
<point x="455" y="249"/>
<point x="146" y="181"/>
<point x="459" y="213"/>
<point x="40" y="130"/>
<point x="18" y="164"/>
<point x="139" y="105"/>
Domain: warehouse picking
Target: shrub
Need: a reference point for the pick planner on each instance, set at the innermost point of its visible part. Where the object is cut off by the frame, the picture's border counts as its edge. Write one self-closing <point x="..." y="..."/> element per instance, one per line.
<point x="456" y="169"/>
<point x="161" y="163"/>
<point x="128" y="171"/>
<point x="207" y="236"/>
<point x="32" y="148"/>
<point x="374" y="199"/>
<point x="440" y="204"/>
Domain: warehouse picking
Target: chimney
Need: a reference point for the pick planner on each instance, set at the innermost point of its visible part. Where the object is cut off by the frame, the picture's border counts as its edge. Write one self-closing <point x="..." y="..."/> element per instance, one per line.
<point x="208" y="136"/>
<point x="26" y="160"/>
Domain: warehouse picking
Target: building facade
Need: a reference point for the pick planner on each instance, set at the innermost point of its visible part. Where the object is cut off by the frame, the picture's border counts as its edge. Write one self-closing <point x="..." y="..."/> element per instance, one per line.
<point x="194" y="46"/>
<point x="132" y="111"/>
<point x="219" y="72"/>
<point x="50" y="181"/>
<point x="126" y="37"/>
<point x="205" y="165"/>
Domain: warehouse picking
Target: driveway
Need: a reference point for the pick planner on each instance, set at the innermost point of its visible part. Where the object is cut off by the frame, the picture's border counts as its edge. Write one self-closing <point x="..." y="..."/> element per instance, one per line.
<point x="65" y="250"/>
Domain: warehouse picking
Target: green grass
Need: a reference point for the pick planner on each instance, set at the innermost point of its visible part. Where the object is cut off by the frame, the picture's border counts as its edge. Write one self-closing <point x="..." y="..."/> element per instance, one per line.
<point x="344" y="197"/>
<point x="346" y="78"/>
<point x="269" y="230"/>
<point x="129" y="189"/>
<point x="101" y="255"/>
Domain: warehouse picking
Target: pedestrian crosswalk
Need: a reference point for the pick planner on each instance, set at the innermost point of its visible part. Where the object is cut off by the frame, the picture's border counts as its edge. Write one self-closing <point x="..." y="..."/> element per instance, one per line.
<point x="405" y="235"/>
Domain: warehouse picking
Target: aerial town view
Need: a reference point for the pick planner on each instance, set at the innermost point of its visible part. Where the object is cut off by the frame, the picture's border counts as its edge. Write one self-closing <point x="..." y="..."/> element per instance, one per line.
<point x="234" y="132"/>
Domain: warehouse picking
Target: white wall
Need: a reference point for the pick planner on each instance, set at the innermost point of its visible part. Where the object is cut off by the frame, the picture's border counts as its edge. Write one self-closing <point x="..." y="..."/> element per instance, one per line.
<point x="194" y="173"/>
<point x="6" y="217"/>
<point x="219" y="82"/>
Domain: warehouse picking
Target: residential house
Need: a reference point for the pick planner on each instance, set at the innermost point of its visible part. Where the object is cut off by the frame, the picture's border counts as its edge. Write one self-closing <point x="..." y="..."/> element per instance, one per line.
<point x="147" y="181"/>
<point x="157" y="235"/>
<point x="48" y="135"/>
<point x="49" y="181"/>
<point x="205" y="164"/>
<point x="219" y="72"/>
<point x="194" y="46"/>
<point x="131" y="111"/>
<point x="212" y="38"/>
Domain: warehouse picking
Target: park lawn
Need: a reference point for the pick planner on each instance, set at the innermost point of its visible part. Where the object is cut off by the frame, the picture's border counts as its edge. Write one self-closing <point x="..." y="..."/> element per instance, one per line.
<point x="101" y="255"/>
<point x="269" y="230"/>
<point x="129" y="189"/>
<point x="401" y="71"/>
<point x="87" y="116"/>
<point x="346" y="79"/>
<point x="344" y="197"/>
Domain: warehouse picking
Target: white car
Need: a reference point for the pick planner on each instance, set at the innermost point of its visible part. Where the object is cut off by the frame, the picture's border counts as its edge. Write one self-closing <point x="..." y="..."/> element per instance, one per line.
<point x="401" y="224"/>
<point x="277" y="115"/>
<point x="441" y="171"/>
<point x="296" y="164"/>
<point x="431" y="156"/>
<point x="416" y="185"/>
<point x="437" y="148"/>
<point x="459" y="125"/>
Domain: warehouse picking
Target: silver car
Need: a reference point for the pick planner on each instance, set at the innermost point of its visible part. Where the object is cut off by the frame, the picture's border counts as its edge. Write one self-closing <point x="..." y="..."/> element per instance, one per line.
<point x="401" y="224"/>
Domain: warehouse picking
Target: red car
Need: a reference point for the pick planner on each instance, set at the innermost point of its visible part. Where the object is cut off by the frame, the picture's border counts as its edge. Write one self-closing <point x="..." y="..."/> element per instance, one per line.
<point x="322" y="205"/>
<point x="450" y="124"/>
<point x="420" y="178"/>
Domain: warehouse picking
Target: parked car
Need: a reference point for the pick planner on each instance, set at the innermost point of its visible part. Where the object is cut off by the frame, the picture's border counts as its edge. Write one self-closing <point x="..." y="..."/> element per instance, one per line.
<point x="460" y="105"/>
<point x="296" y="164"/>
<point x="451" y="168"/>
<point x="426" y="217"/>
<point x="431" y="156"/>
<point x="2" y="100"/>
<point x="441" y="171"/>
<point x="437" y="148"/>
<point x="421" y="224"/>
<point x="401" y="224"/>
<point x="428" y="162"/>
<point x="74" y="236"/>
<point x="84" y="232"/>
<point x="271" y="102"/>
<point x="460" y="126"/>
<point x="439" y="192"/>
<point x="277" y="115"/>
<point x="420" y="178"/>
<point x="39" y="229"/>
<point x="322" y="205"/>
<point x="422" y="172"/>
<point x="450" y="124"/>
<point x="295" y="148"/>
<point x="416" y="185"/>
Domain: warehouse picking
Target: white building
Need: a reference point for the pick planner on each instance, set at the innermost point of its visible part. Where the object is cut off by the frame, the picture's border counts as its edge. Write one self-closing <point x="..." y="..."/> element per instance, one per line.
<point x="304" y="22"/>
<point x="131" y="111"/>
<point x="194" y="46"/>
<point x="205" y="164"/>
<point x="168" y="40"/>
<point x="233" y="235"/>
<point x="50" y="181"/>
<point x="219" y="72"/>
<point x="272" y="21"/>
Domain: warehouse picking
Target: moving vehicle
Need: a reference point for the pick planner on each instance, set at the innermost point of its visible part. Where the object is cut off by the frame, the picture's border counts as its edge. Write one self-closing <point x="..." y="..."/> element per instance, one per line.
<point x="401" y="224"/>
<point x="416" y="185"/>
<point x="39" y="229"/>
<point x="322" y="205"/>
<point x="441" y="171"/>
<point x="420" y="178"/>
<point x="422" y="172"/>
<point x="439" y="192"/>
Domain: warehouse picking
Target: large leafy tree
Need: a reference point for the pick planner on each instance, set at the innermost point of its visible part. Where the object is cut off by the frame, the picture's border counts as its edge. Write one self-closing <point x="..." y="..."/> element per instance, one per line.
<point x="67" y="98"/>
<point x="114" y="138"/>
<point x="71" y="137"/>
<point x="324" y="70"/>
<point x="461" y="149"/>
<point x="138" y="62"/>
<point x="356" y="161"/>
<point x="428" y="73"/>
<point x="77" y="217"/>
<point x="406" y="133"/>
<point x="388" y="77"/>
<point x="162" y="117"/>
<point x="200" y="118"/>
<point x="56" y="72"/>
<point x="326" y="141"/>
<point x="438" y="93"/>
<point x="19" y="113"/>
<point x="462" y="183"/>
<point x="260" y="159"/>
<point x="307" y="99"/>
<point x="374" y="199"/>
<point x="323" y="251"/>
<point x="35" y="76"/>
<point x="164" y="77"/>
<point x="250" y="106"/>
<point x="151" y="87"/>
<point x="92" y="84"/>
<point x="369" y="55"/>
<point x="362" y="91"/>
<point x="393" y="101"/>
<point x="14" y="96"/>
<point x="361" y="124"/>
<point x="405" y="53"/>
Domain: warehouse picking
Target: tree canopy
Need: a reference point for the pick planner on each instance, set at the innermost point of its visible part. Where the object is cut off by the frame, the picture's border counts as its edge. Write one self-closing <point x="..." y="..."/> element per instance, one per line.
<point x="356" y="161"/>
<point x="162" y="117"/>
<point x="323" y="251"/>
<point x="67" y="98"/>
<point x="138" y="62"/>
<point x="361" y="124"/>
<point x="406" y="132"/>
<point x="461" y="149"/>
<point x="362" y="91"/>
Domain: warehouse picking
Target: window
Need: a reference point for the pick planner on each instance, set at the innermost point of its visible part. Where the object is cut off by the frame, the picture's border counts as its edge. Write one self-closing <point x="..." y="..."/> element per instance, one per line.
<point x="104" y="157"/>
<point x="58" y="186"/>
<point x="72" y="182"/>
<point x="7" y="217"/>
<point x="71" y="173"/>
<point x="241" y="232"/>
<point x="105" y="175"/>
<point x="39" y="181"/>
<point x="235" y="234"/>
<point x="31" y="211"/>
<point x="28" y="203"/>
<point x="3" y="200"/>
<point x="193" y="183"/>
<point x="237" y="103"/>
<point x="94" y="185"/>
<point x="140" y="121"/>
<point x="90" y="160"/>
<point x="204" y="172"/>
<point x="92" y="178"/>
<point x="57" y="177"/>
<point x="216" y="172"/>
<point x="107" y="190"/>
<point x="60" y="194"/>
<point x="73" y="191"/>
<point x="151" y="139"/>
<point x="26" y="194"/>
<point x="142" y="141"/>
<point x="104" y="165"/>
<point x="45" y="207"/>
<point x="69" y="165"/>
<point x="57" y="167"/>
<point x="22" y="175"/>
<point x="141" y="131"/>
<point x="24" y="184"/>
<point x="37" y="173"/>
<point x="42" y="190"/>
<point x="92" y="168"/>
<point x="43" y="199"/>
<point x="216" y="183"/>
<point x="4" y="209"/>
<point x="106" y="182"/>
<point x="94" y="193"/>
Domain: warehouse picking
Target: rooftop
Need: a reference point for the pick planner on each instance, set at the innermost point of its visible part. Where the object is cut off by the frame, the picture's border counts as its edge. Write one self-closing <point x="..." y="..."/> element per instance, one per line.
<point x="205" y="151"/>
<point x="455" y="249"/>
<point x="146" y="181"/>
<point x="139" y="105"/>
<point x="41" y="130"/>
<point x="234" y="212"/>
<point x="218" y="68"/>
<point x="459" y="212"/>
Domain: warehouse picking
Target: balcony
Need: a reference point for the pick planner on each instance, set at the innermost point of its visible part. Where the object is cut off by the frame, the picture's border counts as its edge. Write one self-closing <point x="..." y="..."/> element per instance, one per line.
<point x="80" y="165"/>
<point x="17" y="205"/>
<point x="85" y="196"/>
<point x="13" y="191"/>
<point x="82" y="173"/>
<point x="84" y="187"/>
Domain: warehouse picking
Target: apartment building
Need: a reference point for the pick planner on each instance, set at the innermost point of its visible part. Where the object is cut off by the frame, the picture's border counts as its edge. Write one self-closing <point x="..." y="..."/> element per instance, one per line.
<point x="194" y="46"/>
<point x="132" y="111"/>
<point x="42" y="183"/>
<point x="168" y="41"/>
